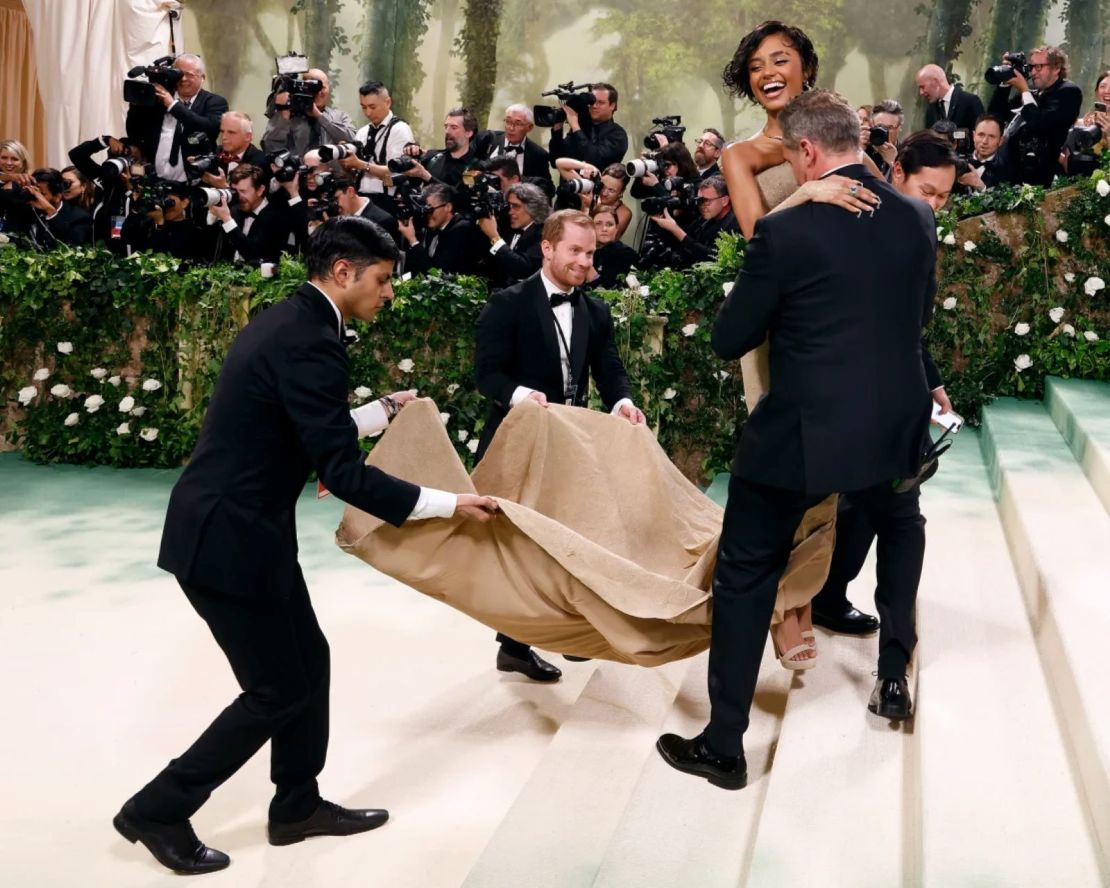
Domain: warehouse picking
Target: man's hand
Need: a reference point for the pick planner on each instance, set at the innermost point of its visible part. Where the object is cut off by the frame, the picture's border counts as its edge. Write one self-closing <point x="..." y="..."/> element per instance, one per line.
<point x="476" y="508"/>
<point x="353" y="162"/>
<point x="667" y="223"/>
<point x="221" y="211"/>
<point x="315" y="112"/>
<point x="163" y="95"/>
<point x="572" y="118"/>
<point x="293" y="186"/>
<point x="418" y="172"/>
<point x="940" y="398"/>
<point x="407" y="229"/>
<point x="888" y="152"/>
<point x="633" y="414"/>
<point x="157" y="216"/>
<point x="215" y="180"/>
<point x="489" y="228"/>
<point x="403" y="398"/>
<point x="24" y="179"/>
<point x="39" y="201"/>
<point x="115" y="147"/>
<point x="972" y="178"/>
<point x="413" y="150"/>
<point x="539" y="397"/>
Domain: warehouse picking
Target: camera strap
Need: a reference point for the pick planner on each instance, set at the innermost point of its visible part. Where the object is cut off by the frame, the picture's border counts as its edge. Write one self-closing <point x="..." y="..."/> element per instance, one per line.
<point x="379" y="140"/>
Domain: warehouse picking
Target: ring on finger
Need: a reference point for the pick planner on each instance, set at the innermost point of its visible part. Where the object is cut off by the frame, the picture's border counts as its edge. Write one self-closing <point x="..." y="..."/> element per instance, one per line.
<point x="853" y="189"/>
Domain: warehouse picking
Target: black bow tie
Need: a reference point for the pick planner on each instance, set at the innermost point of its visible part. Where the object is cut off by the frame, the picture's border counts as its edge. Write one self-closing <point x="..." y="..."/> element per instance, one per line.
<point x="560" y="298"/>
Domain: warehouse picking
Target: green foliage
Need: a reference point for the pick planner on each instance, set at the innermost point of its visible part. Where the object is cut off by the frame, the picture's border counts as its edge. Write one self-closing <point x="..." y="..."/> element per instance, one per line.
<point x="476" y="43"/>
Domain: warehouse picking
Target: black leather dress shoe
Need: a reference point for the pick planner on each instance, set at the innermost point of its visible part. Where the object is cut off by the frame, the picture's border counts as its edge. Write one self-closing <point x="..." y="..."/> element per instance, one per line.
<point x="329" y="819"/>
<point x="174" y="845"/>
<point x="693" y="757"/>
<point x="574" y="659"/>
<point x="847" y="622"/>
<point x="533" y="666"/>
<point x="891" y="699"/>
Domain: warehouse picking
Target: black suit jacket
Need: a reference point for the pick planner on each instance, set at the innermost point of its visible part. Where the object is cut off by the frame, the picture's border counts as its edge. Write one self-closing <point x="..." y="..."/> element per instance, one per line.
<point x="700" y="244"/>
<point x="598" y="143"/>
<point x="511" y="264"/>
<point x="71" y="225"/>
<point x="279" y="410"/>
<point x="516" y="344"/>
<point x="256" y="157"/>
<point x="613" y="262"/>
<point x="376" y="214"/>
<point x="966" y="109"/>
<point x="112" y="197"/>
<point x="144" y="125"/>
<point x="849" y="404"/>
<point x="536" y="159"/>
<point x="1031" y="152"/>
<point x="460" y="249"/>
<point x="268" y="237"/>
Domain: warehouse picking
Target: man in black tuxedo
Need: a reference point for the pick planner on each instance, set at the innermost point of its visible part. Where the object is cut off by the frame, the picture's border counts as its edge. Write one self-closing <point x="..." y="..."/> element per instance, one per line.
<point x="848" y="409"/>
<point x="515" y="242"/>
<point x="1042" y="113"/>
<point x="598" y="139"/>
<point x="351" y="203"/>
<point x="49" y="218"/>
<point x="236" y="147"/>
<point x="449" y="242"/>
<point x="258" y="229"/>
<point x="278" y="412"/>
<point x="707" y="153"/>
<point x="947" y="101"/>
<point x="171" y="229"/>
<point x="513" y="141"/>
<point x="161" y="131"/>
<point x="543" y="339"/>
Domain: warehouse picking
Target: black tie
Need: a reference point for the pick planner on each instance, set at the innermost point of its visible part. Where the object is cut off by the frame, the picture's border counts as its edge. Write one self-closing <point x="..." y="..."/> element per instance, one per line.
<point x="560" y="298"/>
<point x="178" y="132"/>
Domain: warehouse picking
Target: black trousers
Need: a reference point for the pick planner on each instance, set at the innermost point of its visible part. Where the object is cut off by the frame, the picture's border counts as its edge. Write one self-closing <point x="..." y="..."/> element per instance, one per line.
<point x="282" y="662"/>
<point x="854" y="536"/>
<point x="756" y="540"/>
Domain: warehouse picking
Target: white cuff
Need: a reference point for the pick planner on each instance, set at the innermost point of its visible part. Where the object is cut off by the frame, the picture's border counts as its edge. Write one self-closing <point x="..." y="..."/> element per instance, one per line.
<point x="170" y="108"/>
<point x="370" y="418"/>
<point x="497" y="245"/>
<point x="519" y="394"/>
<point x="434" y="504"/>
<point x="1027" y="99"/>
<point x="617" y="407"/>
<point x="293" y="201"/>
<point x="230" y="225"/>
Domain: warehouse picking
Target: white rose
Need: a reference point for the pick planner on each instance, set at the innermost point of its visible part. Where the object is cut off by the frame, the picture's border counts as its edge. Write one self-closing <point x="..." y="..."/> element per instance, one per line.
<point x="1069" y="277"/>
<point x="93" y="403"/>
<point x="151" y="385"/>
<point x="98" y="373"/>
<point x="1090" y="335"/>
<point x="940" y="232"/>
<point x="452" y="388"/>
<point x="969" y="246"/>
<point x="949" y="303"/>
<point x="363" y="392"/>
<point x="41" y="374"/>
<point x="727" y="286"/>
<point x="123" y="429"/>
<point x="1093" y="285"/>
<point x="148" y="434"/>
<point x="633" y="282"/>
<point x="1023" y="362"/>
<point x="950" y="239"/>
<point x="138" y="411"/>
<point x="689" y="329"/>
<point x="1102" y="187"/>
<point x="462" y="435"/>
<point x="445" y="417"/>
<point x="1106" y="220"/>
<point x="61" y="390"/>
<point x="126" y="405"/>
<point x="72" y="419"/>
<point x="1062" y="236"/>
<point x="65" y="347"/>
<point x="1069" y="330"/>
<point x="723" y="375"/>
<point x="1021" y="329"/>
<point x="645" y="291"/>
<point x="669" y="394"/>
<point x="406" y="365"/>
<point x="27" y="394"/>
<point x="472" y="445"/>
<point x="114" y="380"/>
<point x="1057" y="314"/>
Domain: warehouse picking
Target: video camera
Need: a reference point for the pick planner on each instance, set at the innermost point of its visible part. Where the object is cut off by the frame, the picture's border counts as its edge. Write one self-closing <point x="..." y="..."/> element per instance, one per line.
<point x="153" y="194"/>
<point x="291" y="69"/>
<point x="996" y="75"/>
<point x="479" y="195"/>
<point x="578" y="96"/>
<point x="670" y="128"/>
<point x="161" y="73"/>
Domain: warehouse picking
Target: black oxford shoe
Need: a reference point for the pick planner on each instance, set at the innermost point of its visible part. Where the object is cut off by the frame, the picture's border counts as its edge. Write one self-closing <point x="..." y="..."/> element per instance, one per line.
<point x="174" y="845"/>
<point x="891" y="699"/>
<point x="532" y="666"/>
<point x="329" y="819"/>
<point x="694" y="757"/>
<point x="849" y="621"/>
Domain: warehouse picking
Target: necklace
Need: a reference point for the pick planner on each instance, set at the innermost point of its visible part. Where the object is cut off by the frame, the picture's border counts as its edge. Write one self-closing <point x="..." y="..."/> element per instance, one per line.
<point x="768" y="135"/>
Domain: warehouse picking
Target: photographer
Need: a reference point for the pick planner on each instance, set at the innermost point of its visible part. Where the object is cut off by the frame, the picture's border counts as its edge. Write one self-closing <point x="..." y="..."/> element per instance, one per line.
<point x="947" y="102"/>
<point x="1043" y="112"/>
<point x="446" y="167"/>
<point x="887" y="118"/>
<point x="80" y="190"/>
<point x="236" y="146"/>
<point x="707" y="153"/>
<point x="112" y="180"/>
<point x="513" y="142"/>
<point x="1090" y="137"/>
<point x="384" y="138"/>
<point x="318" y="125"/>
<point x="699" y="242"/>
<point x="598" y="139"/>
<point x="257" y="230"/>
<point x="449" y="242"/>
<point x="40" y="211"/>
<point x="606" y="188"/>
<point x="515" y="246"/>
<point x="351" y="203"/>
<point x="169" y="228"/>
<point x="673" y="159"/>
<point x="161" y="131"/>
<point x="986" y="138"/>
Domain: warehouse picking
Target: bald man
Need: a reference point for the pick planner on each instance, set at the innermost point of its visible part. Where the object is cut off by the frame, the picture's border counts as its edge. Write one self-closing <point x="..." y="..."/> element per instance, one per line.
<point x="320" y="125"/>
<point x="947" y="102"/>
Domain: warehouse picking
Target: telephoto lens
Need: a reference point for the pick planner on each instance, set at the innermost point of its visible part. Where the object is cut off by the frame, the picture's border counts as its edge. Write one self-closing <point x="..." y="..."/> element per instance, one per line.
<point x="210" y="197"/>
<point x="640" y="167"/>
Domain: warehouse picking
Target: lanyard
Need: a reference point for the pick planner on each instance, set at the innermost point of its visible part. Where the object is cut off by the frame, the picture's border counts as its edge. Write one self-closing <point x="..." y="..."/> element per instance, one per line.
<point x="569" y="389"/>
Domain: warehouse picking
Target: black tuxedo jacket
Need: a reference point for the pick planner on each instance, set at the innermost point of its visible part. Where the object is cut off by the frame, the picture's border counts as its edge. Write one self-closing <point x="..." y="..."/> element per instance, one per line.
<point x="112" y="197"/>
<point x="700" y="244"/>
<point x="144" y="125"/>
<point x="613" y="262"/>
<point x="376" y="214"/>
<point x="849" y="403"/>
<point x="1031" y="153"/>
<point x="268" y="237"/>
<point x="278" y="411"/>
<point x="460" y="249"/>
<point x="71" y="225"/>
<point x="255" y="156"/>
<point x="516" y="344"/>
<point x="511" y="264"/>
<point x="537" y="162"/>
<point x="966" y="109"/>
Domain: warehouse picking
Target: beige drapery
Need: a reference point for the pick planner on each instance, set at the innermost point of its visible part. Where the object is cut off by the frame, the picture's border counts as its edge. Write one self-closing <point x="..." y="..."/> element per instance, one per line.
<point x="21" y="109"/>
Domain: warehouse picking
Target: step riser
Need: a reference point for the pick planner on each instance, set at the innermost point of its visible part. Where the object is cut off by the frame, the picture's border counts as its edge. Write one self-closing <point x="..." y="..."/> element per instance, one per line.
<point x="1092" y="458"/>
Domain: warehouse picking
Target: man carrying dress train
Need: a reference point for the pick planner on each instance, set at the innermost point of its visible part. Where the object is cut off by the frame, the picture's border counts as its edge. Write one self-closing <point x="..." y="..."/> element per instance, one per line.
<point x="848" y="409"/>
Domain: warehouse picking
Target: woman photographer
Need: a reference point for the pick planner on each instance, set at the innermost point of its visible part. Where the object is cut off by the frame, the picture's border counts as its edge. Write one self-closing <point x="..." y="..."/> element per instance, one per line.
<point x="613" y="180"/>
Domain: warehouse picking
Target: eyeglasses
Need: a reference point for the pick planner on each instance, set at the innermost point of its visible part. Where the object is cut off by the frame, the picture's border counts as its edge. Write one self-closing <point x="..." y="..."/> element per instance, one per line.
<point x="701" y="201"/>
<point x="431" y="207"/>
<point x="712" y="143"/>
<point x="1036" y="65"/>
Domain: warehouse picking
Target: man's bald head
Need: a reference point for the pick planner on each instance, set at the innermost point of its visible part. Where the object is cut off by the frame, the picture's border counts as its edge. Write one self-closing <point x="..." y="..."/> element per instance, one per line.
<point x="324" y="94"/>
<point x="932" y="83"/>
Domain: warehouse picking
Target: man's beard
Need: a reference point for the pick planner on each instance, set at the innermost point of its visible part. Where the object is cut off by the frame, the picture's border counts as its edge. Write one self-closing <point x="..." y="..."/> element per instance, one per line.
<point x="450" y="144"/>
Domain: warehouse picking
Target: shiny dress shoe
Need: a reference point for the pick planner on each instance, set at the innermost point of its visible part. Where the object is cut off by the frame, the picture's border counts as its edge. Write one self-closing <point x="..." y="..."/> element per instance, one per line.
<point x="694" y="757"/>
<point x="574" y="659"/>
<point x="891" y="699"/>
<point x="329" y="819"/>
<point x="532" y="666"/>
<point x="849" y="621"/>
<point x="174" y="845"/>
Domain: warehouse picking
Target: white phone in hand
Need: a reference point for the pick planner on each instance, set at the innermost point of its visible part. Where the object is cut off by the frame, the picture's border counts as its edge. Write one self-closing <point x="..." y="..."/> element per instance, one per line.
<point x="951" y="420"/>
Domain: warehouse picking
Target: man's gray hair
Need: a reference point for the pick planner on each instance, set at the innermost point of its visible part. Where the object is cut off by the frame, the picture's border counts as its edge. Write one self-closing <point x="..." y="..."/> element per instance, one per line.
<point x="890" y="106"/>
<point x="822" y="117"/>
<point x="246" y="125"/>
<point x="194" y="58"/>
<point x="717" y="183"/>
<point x="534" y="200"/>
<point x="523" y="109"/>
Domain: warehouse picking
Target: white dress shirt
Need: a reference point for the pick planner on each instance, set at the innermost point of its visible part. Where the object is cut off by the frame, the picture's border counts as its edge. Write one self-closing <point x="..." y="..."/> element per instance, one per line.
<point x="162" y="165"/>
<point x="946" y="103"/>
<point x="399" y="137"/>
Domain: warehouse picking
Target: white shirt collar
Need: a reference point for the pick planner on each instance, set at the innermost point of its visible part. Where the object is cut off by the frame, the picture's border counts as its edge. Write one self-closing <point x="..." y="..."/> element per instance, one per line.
<point x="334" y="307"/>
<point x="551" y="288"/>
<point x="948" y="96"/>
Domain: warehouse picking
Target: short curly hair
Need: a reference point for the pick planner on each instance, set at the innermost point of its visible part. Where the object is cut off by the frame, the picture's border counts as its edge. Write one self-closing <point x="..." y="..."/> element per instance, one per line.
<point x="736" y="77"/>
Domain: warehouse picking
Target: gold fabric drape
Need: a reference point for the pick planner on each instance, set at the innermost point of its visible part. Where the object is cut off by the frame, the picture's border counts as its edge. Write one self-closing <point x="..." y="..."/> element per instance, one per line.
<point x="21" y="112"/>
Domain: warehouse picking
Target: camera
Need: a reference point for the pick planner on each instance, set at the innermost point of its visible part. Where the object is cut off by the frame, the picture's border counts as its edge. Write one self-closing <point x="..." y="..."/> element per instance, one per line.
<point x="285" y="164"/>
<point x="579" y="186"/>
<point x="997" y="75"/>
<point x="409" y="201"/>
<point x="686" y="198"/>
<point x="1080" y="144"/>
<point x="21" y="194"/>
<point x="153" y="194"/>
<point x="577" y="96"/>
<point x="328" y="153"/>
<point x="209" y="197"/>
<point x="114" y="167"/>
<point x="639" y="168"/>
<point x="291" y="69"/>
<point x="161" y="73"/>
<point x="401" y="165"/>
<point x="880" y="135"/>
<point x="479" y="196"/>
<point x="323" y="203"/>
<point x="195" y="167"/>
<point x="670" y="128"/>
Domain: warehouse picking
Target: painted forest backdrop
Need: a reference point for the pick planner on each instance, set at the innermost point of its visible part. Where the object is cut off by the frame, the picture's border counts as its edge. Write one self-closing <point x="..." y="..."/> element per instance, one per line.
<point x="665" y="56"/>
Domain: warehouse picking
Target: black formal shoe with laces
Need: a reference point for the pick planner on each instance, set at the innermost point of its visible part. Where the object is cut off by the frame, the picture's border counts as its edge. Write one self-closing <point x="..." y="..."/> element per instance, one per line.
<point x="694" y="757"/>
<point x="849" y="621"/>
<point x="174" y="845"/>
<point x="531" y="666"/>
<point x="329" y="819"/>
<point x="891" y="699"/>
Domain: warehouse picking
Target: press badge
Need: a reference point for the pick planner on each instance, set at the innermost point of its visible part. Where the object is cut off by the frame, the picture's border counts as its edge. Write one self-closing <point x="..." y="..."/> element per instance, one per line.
<point x="569" y="392"/>
<point x="117" y="227"/>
